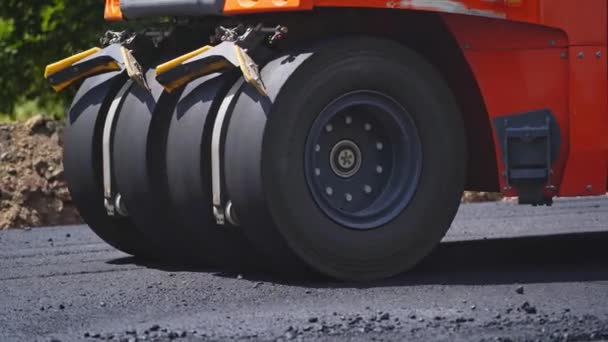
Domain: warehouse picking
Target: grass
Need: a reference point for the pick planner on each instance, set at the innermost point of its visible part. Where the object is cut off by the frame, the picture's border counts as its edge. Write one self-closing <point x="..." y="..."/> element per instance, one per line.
<point x="25" y="109"/>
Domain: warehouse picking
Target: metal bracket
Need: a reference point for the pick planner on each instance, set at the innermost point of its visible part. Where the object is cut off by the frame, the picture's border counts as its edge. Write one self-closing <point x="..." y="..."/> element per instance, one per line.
<point x="250" y="37"/>
<point x="528" y="155"/>
<point x="219" y="205"/>
<point x="112" y="204"/>
<point x="527" y="135"/>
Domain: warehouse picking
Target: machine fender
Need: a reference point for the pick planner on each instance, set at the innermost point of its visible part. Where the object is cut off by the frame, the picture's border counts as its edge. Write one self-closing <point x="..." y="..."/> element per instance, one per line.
<point x="94" y="61"/>
<point x="204" y="61"/>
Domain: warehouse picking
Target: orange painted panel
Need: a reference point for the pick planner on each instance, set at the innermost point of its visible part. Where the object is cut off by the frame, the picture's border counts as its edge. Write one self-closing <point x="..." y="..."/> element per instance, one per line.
<point x="522" y="10"/>
<point x="587" y="167"/>
<point x="584" y="21"/>
<point x="251" y="6"/>
<point x="525" y="10"/>
<point x="520" y="79"/>
<point x="492" y="34"/>
<point x="112" y="11"/>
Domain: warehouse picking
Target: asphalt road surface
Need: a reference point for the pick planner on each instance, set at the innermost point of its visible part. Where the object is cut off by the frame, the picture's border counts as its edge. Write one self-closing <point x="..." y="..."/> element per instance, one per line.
<point x="503" y="273"/>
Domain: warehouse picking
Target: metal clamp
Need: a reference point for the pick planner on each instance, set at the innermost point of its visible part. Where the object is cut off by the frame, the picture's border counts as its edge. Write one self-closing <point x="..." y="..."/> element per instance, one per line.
<point x="222" y="210"/>
<point x="113" y="205"/>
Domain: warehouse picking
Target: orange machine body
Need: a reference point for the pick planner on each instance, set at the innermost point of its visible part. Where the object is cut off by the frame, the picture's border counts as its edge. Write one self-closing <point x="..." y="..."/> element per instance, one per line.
<point x="526" y="55"/>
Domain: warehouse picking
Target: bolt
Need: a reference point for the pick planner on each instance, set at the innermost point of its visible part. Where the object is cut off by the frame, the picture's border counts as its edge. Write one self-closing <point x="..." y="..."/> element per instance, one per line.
<point x="589" y="187"/>
<point x="581" y="55"/>
<point x="329" y="128"/>
<point x="367" y="127"/>
<point x="348" y="120"/>
<point x="598" y="54"/>
<point x="379" y="169"/>
<point x="367" y="189"/>
<point x="329" y="191"/>
<point x="348" y="197"/>
<point x="564" y="55"/>
<point x="467" y="46"/>
<point x="552" y="42"/>
<point x="379" y="146"/>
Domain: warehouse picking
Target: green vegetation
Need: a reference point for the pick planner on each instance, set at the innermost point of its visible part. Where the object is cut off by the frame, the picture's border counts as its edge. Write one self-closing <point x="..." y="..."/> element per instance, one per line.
<point x="34" y="34"/>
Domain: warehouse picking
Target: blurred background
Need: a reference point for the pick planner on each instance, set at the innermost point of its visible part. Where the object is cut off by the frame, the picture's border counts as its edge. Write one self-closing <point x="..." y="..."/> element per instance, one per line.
<point x="34" y="34"/>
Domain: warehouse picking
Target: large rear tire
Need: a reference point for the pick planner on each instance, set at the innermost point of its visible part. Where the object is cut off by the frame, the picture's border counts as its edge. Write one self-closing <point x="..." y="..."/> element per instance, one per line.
<point x="358" y="157"/>
<point x="83" y="163"/>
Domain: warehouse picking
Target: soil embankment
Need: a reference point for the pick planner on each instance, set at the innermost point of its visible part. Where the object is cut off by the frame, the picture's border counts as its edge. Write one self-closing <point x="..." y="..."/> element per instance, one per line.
<point x="33" y="191"/>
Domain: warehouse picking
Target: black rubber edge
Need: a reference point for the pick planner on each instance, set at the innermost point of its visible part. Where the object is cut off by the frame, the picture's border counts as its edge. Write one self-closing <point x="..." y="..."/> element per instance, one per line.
<point x="243" y="147"/>
<point x="188" y="170"/>
<point x="83" y="165"/>
<point x="137" y="156"/>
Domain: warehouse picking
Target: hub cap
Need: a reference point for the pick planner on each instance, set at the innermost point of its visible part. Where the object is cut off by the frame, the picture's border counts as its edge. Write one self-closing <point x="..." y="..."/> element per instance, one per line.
<point x="345" y="159"/>
<point x="363" y="159"/>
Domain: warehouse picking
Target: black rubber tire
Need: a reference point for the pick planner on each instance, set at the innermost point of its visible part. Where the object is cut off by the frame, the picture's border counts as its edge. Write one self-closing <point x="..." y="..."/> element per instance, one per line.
<point x="138" y="167"/>
<point x="265" y="147"/>
<point x="83" y="165"/>
<point x="242" y="168"/>
<point x="188" y="168"/>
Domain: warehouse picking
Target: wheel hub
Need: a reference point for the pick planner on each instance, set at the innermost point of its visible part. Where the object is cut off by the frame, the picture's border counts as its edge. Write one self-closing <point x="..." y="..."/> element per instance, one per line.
<point x="363" y="159"/>
<point x="345" y="158"/>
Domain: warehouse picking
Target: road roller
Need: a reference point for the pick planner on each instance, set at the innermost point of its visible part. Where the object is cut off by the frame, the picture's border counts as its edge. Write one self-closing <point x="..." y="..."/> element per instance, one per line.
<point x="331" y="137"/>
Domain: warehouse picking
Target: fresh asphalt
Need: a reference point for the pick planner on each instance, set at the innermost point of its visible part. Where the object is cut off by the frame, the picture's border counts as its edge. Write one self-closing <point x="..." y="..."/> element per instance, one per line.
<point x="503" y="272"/>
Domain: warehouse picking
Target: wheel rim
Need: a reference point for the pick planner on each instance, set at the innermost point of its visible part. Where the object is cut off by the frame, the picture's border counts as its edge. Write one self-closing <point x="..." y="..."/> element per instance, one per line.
<point x="363" y="159"/>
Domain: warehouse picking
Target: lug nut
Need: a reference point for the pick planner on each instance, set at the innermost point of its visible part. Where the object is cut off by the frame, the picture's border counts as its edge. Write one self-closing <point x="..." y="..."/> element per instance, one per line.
<point x="329" y="191"/>
<point x="379" y="146"/>
<point x="379" y="169"/>
<point x="317" y="148"/>
<point x="317" y="172"/>
<point x="367" y="127"/>
<point x="329" y="128"/>
<point x="348" y="120"/>
<point x="367" y="189"/>
<point x="348" y="197"/>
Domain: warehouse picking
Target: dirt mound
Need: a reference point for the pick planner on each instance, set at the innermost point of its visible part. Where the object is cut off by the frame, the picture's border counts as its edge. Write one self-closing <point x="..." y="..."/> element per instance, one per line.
<point x="474" y="197"/>
<point x="32" y="187"/>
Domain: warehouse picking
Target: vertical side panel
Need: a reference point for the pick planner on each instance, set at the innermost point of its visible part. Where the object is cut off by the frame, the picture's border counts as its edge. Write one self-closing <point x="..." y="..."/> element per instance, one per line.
<point x="585" y="23"/>
<point x="587" y="166"/>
